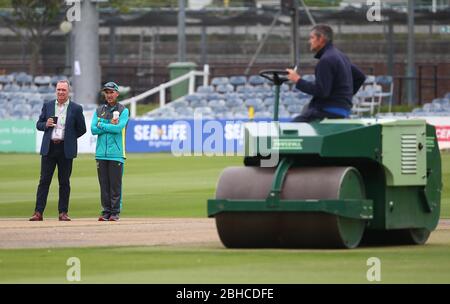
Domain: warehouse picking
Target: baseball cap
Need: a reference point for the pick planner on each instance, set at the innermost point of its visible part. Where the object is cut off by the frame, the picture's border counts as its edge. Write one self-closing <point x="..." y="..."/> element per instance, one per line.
<point x="111" y="86"/>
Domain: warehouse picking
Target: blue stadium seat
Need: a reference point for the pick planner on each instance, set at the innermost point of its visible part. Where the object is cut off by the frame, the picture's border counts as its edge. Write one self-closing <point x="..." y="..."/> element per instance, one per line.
<point x="35" y="96"/>
<point x="256" y="103"/>
<point x="6" y="79"/>
<point x="226" y="115"/>
<point x="199" y="103"/>
<point x="240" y="109"/>
<point x="441" y="101"/>
<point x="417" y="111"/>
<point x="291" y="101"/>
<point x="234" y="102"/>
<point x="185" y="112"/>
<point x="254" y="95"/>
<point x="284" y="88"/>
<point x="11" y="87"/>
<point x="42" y="80"/>
<point x="21" y="107"/>
<point x="225" y="88"/>
<point x="205" y="89"/>
<point x="213" y="96"/>
<point x="281" y="108"/>
<point x="232" y="95"/>
<point x="263" y="115"/>
<point x="309" y="77"/>
<point x="3" y="113"/>
<point x="220" y="109"/>
<point x="180" y="104"/>
<point x="46" y="89"/>
<point x="262" y="92"/>
<point x="303" y="95"/>
<point x="269" y="101"/>
<point x="240" y="115"/>
<point x="216" y="103"/>
<point x="29" y="89"/>
<point x="220" y="81"/>
<point x="14" y="95"/>
<point x="238" y="80"/>
<point x="247" y="89"/>
<point x="432" y="107"/>
<point x="54" y="79"/>
<point x="256" y="80"/>
<point x="193" y="97"/>
<point x="289" y="94"/>
<point x="23" y="79"/>
<point x="4" y="95"/>
<point x="304" y="101"/>
<point x="48" y="96"/>
<point x="384" y="79"/>
<point x="203" y="110"/>
<point x="18" y="115"/>
<point x="387" y="88"/>
<point x="283" y="114"/>
<point x="36" y="108"/>
<point x="295" y="108"/>
<point x="166" y="112"/>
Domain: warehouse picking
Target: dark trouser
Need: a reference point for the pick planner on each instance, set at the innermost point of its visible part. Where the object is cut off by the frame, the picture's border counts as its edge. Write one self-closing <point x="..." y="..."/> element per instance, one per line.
<point x="55" y="157"/>
<point x="110" y="179"/>
<point x="311" y="114"/>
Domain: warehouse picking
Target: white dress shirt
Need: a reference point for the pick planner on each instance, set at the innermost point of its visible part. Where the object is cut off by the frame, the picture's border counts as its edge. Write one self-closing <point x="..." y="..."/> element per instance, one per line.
<point x="61" y="113"/>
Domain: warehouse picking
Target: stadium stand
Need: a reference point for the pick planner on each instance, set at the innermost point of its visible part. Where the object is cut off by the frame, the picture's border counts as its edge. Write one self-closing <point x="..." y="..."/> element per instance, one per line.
<point x="438" y="107"/>
<point x="22" y="95"/>
<point x="231" y="98"/>
<point x="375" y="91"/>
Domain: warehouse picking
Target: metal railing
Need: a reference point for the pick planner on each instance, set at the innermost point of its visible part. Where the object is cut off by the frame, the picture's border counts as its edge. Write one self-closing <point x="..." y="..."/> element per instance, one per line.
<point x="161" y="89"/>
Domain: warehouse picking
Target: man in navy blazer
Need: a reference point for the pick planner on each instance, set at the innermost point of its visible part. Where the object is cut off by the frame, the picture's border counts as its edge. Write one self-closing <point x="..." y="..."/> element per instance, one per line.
<point x="62" y="122"/>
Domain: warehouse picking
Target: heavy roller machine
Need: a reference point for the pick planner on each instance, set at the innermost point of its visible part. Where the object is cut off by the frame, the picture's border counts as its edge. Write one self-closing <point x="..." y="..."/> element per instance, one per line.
<point x="330" y="184"/>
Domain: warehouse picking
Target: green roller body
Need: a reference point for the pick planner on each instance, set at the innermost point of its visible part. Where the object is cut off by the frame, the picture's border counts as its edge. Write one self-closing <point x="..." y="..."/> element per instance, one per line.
<point x="386" y="177"/>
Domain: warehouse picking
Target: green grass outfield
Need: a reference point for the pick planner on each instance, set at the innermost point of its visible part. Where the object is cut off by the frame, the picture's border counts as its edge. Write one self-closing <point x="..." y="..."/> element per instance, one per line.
<point x="183" y="265"/>
<point x="159" y="185"/>
<point x="155" y="185"/>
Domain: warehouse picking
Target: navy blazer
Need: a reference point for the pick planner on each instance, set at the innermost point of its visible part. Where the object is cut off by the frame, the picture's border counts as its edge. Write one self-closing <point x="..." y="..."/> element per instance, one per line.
<point x="75" y="127"/>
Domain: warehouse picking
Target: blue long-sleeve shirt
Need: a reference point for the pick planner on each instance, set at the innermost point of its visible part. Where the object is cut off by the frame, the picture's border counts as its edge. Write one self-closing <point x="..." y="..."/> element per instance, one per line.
<point x="337" y="80"/>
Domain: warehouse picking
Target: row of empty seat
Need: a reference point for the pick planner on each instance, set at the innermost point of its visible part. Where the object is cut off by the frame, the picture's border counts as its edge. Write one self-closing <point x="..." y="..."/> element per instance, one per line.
<point x="373" y="93"/>
<point x="22" y="95"/>
<point x="438" y="107"/>
<point x="231" y="98"/>
<point x="22" y="79"/>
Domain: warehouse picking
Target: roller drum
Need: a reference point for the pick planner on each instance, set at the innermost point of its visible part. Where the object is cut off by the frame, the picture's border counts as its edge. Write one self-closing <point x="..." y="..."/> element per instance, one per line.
<point x="408" y="236"/>
<point x="281" y="229"/>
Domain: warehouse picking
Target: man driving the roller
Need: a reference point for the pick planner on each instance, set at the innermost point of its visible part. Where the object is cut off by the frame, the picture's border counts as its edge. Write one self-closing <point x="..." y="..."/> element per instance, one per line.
<point x="337" y="79"/>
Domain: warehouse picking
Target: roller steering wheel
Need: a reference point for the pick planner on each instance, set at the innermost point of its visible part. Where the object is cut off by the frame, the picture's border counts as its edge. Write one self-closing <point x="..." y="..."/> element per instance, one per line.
<point x="278" y="77"/>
